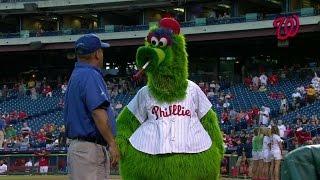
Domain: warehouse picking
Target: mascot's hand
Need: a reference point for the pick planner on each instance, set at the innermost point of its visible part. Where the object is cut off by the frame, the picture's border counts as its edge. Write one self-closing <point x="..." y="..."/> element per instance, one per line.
<point x="126" y="126"/>
<point x="211" y="125"/>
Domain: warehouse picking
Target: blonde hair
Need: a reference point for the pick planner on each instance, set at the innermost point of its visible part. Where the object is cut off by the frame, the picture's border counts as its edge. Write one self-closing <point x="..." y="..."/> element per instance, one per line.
<point x="257" y="131"/>
<point x="275" y="130"/>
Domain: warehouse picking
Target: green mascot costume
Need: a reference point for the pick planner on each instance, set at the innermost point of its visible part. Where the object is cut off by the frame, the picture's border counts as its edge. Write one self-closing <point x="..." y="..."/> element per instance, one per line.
<point x="168" y="131"/>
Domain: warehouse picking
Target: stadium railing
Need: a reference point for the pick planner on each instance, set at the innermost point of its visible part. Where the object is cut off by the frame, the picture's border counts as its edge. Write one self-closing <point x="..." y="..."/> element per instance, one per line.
<point x="16" y="1"/>
<point x="58" y="164"/>
<point x="122" y="28"/>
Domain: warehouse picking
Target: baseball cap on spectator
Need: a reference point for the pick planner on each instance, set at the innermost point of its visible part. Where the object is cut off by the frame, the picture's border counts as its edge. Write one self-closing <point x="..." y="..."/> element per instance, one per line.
<point x="89" y="43"/>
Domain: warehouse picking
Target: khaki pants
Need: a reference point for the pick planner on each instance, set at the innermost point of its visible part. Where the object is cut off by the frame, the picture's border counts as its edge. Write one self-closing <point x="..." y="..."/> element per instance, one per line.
<point x="87" y="161"/>
<point x="1" y="139"/>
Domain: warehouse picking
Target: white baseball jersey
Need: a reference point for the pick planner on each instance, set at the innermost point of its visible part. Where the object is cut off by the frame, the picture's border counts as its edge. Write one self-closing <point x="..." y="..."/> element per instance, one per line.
<point x="170" y="127"/>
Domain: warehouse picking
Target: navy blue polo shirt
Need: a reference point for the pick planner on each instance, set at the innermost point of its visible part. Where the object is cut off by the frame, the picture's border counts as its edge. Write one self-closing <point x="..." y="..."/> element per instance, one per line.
<point x="86" y="91"/>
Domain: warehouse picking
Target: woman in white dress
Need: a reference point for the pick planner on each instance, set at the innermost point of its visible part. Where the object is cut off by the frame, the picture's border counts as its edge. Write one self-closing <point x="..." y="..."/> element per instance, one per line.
<point x="266" y="153"/>
<point x="276" y="152"/>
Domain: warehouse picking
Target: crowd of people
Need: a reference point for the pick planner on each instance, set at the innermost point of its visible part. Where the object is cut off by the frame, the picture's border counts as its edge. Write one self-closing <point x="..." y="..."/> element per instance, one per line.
<point x="33" y="88"/>
<point x="239" y="139"/>
<point x="259" y="83"/>
<point x="13" y="117"/>
<point x="49" y="136"/>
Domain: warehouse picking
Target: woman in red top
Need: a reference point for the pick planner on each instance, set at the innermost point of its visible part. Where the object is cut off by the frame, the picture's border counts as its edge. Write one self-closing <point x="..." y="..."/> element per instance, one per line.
<point x="43" y="162"/>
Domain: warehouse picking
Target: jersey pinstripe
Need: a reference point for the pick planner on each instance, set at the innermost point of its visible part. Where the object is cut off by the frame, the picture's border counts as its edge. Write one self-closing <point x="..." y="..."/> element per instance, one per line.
<point x="170" y="127"/>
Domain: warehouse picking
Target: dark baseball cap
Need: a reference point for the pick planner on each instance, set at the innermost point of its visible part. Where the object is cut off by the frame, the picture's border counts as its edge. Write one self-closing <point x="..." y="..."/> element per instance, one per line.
<point x="89" y="43"/>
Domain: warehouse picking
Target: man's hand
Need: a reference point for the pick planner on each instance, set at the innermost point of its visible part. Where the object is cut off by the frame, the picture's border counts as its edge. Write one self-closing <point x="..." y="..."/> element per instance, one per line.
<point x="101" y="120"/>
<point x="114" y="154"/>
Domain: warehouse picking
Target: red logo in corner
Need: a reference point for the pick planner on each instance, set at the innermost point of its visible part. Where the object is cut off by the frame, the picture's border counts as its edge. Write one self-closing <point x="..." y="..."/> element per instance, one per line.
<point x="286" y="26"/>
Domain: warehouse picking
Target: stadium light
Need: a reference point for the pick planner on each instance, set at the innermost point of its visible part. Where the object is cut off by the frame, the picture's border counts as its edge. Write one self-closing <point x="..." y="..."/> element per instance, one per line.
<point x="224" y="4"/>
<point x="179" y="9"/>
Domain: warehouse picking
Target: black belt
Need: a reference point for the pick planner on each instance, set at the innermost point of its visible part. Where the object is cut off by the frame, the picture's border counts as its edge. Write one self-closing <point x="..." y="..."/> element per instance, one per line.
<point x="89" y="139"/>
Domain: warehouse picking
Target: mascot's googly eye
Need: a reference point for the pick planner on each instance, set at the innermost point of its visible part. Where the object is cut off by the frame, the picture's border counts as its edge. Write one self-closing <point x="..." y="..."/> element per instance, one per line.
<point x="163" y="42"/>
<point x="154" y="41"/>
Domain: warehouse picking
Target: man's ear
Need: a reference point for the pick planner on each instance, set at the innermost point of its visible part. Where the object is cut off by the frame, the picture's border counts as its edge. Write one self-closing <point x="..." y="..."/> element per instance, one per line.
<point x="96" y="55"/>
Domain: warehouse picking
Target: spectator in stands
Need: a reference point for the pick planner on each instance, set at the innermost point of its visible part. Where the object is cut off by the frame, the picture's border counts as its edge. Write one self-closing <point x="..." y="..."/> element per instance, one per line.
<point x="302" y="137"/>
<point x="44" y="81"/>
<point x="228" y="96"/>
<point x="212" y="85"/>
<point x="255" y="83"/>
<point x="212" y="14"/>
<point x="28" y="165"/>
<point x="38" y="86"/>
<point x="264" y="116"/>
<point x="315" y="81"/>
<point x="61" y="103"/>
<point x="62" y="137"/>
<point x="118" y="106"/>
<point x="47" y="91"/>
<point x="244" y="165"/>
<point x="25" y="130"/>
<point x="311" y="94"/>
<point x="263" y="79"/>
<point x="49" y="138"/>
<point x="3" y="167"/>
<point x="282" y="129"/>
<point x="273" y="79"/>
<point x="232" y="116"/>
<point x="316" y="139"/>
<point x="14" y="117"/>
<point x="296" y="99"/>
<point x="34" y="94"/>
<point x="25" y="143"/>
<point x="10" y="132"/>
<point x="226" y="15"/>
<point x="22" y="89"/>
<point x="284" y="106"/>
<point x="43" y="162"/>
<point x="248" y="82"/>
<point x="255" y="114"/>
<point x="225" y="117"/>
<point x="2" y="131"/>
<point x="5" y="91"/>
<point x="22" y="115"/>
<point x="31" y="84"/>
<point x="304" y="120"/>
<point x="217" y="88"/>
<point x="210" y="94"/>
<point x="41" y="138"/>
<point x="64" y="87"/>
<point x="226" y="105"/>
<point x="301" y="90"/>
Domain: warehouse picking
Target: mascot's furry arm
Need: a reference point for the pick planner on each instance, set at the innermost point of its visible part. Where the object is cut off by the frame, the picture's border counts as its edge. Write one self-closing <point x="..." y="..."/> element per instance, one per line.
<point x="126" y="126"/>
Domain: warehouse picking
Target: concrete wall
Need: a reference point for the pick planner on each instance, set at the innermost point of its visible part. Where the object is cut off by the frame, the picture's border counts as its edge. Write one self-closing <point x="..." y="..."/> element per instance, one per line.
<point x="58" y="3"/>
<point x="141" y="34"/>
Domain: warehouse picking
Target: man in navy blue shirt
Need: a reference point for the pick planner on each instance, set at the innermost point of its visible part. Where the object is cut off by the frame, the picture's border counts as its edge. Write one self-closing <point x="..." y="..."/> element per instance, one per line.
<point x="88" y="115"/>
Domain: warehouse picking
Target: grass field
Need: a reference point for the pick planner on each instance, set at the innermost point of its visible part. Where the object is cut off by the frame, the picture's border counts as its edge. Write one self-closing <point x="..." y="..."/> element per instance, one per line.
<point x="37" y="177"/>
<point x="56" y="177"/>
